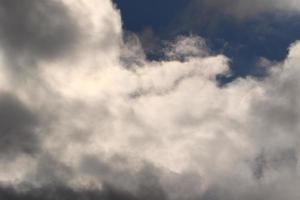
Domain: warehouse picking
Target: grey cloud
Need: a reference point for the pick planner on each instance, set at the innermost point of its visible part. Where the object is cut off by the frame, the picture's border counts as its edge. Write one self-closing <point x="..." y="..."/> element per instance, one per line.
<point x="274" y="123"/>
<point x="108" y="171"/>
<point x="149" y="184"/>
<point x="280" y="160"/>
<point x="59" y="192"/>
<point x="50" y="171"/>
<point x="17" y="128"/>
<point x="145" y="183"/>
<point x="114" y="172"/>
<point x="35" y="29"/>
<point x="259" y="166"/>
<point x="54" y="173"/>
<point x="228" y="190"/>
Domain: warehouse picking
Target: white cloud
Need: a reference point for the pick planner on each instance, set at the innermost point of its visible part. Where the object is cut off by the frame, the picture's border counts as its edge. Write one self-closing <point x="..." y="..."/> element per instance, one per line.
<point x="171" y="114"/>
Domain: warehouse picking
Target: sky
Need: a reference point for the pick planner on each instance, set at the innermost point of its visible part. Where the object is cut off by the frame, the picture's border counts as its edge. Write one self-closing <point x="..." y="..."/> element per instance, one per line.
<point x="245" y="32"/>
<point x="144" y="100"/>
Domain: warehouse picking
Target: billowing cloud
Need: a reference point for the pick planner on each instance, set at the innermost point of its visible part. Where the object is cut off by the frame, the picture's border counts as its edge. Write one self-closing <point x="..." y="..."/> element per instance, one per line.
<point x="113" y="125"/>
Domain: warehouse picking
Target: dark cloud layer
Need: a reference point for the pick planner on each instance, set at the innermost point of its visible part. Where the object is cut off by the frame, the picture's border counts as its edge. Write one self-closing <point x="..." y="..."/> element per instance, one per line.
<point x="35" y="29"/>
<point x="64" y="193"/>
<point x="17" y="128"/>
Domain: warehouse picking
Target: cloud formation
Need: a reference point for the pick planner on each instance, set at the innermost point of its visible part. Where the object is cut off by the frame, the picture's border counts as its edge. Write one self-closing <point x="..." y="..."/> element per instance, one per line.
<point x="113" y="125"/>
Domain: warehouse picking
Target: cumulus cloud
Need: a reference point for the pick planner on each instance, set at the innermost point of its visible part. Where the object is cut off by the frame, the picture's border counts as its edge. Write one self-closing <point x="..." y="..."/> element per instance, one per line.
<point x="102" y="122"/>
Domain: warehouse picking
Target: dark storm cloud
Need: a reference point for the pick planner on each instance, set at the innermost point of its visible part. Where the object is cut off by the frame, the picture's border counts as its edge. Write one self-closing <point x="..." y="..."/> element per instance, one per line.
<point x="35" y="29"/>
<point x="17" y="128"/>
<point x="65" y="193"/>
